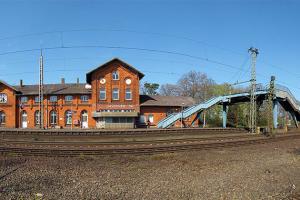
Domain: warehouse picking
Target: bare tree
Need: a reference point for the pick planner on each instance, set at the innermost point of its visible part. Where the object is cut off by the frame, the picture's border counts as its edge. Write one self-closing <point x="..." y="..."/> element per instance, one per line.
<point x="170" y="90"/>
<point x="197" y="85"/>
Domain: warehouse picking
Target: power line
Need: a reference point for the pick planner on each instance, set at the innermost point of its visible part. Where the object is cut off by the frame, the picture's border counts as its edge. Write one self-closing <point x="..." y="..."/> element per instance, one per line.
<point x="61" y="34"/>
<point x="125" y="48"/>
<point x="129" y="48"/>
<point x="239" y="72"/>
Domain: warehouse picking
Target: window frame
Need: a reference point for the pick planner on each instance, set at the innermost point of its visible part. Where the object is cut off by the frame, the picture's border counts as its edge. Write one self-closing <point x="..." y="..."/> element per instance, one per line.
<point x="102" y="91"/>
<point x="51" y="100"/>
<point x="113" y="92"/>
<point x="37" y="114"/>
<point x="2" y="116"/>
<point x="4" y="97"/>
<point x="70" y="100"/>
<point x="68" y="117"/>
<point x="22" y="99"/>
<point x="84" y="100"/>
<point x="52" y="117"/>
<point x="128" y="99"/>
<point x="115" y="75"/>
<point x="36" y="99"/>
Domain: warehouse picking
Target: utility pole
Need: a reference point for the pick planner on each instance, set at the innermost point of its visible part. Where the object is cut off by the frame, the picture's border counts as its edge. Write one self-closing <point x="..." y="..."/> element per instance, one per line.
<point x="252" y="117"/>
<point x="271" y="97"/>
<point x="182" y="104"/>
<point x="41" y="92"/>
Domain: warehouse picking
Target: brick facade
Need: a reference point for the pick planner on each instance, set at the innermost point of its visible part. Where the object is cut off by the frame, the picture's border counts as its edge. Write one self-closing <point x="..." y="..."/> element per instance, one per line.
<point x="110" y="84"/>
<point x="160" y="112"/>
<point x="126" y="111"/>
<point x="9" y="108"/>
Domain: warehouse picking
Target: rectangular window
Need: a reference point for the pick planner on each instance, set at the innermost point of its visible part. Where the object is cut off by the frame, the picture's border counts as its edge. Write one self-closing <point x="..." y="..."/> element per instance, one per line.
<point x="122" y="119"/>
<point x="84" y="98"/>
<point x="102" y="94"/>
<point x="129" y="119"/>
<point x="128" y="95"/>
<point x="108" y="119"/>
<point x="115" y="94"/>
<point x="24" y="99"/>
<point x="53" y="98"/>
<point x="68" y="98"/>
<point x="37" y="99"/>
<point x="115" y="120"/>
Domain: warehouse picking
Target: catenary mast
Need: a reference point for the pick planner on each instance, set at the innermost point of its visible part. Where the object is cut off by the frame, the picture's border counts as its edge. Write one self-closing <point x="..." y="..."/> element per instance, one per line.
<point x="252" y="116"/>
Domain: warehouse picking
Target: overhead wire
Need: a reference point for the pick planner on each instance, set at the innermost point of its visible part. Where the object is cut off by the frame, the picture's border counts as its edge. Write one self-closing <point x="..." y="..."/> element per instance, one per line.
<point x="61" y="32"/>
<point x="129" y="48"/>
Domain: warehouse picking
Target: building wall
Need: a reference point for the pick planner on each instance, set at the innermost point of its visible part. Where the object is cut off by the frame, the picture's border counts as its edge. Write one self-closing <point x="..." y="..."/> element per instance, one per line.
<point x="160" y="112"/>
<point x="109" y="103"/>
<point x="9" y="108"/>
<point x="13" y="110"/>
<point x="61" y="106"/>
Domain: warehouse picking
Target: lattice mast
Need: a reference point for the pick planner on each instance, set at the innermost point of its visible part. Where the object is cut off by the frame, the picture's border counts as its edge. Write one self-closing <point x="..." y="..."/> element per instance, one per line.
<point x="41" y="92"/>
<point x="271" y="97"/>
<point x="253" y="112"/>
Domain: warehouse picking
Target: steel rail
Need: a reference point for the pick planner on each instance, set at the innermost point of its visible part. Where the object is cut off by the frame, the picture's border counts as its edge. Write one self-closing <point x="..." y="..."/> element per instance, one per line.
<point x="96" y="132"/>
<point x="141" y="150"/>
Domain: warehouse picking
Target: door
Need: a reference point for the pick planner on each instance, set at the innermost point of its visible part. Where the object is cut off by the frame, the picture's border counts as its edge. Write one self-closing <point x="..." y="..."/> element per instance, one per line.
<point x="24" y="119"/>
<point x="84" y="120"/>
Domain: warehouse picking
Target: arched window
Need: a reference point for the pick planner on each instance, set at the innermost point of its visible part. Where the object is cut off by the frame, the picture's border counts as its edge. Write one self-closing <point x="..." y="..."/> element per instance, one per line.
<point x="53" y="117"/>
<point x="68" y="117"/>
<point x="37" y="117"/>
<point x="2" y="118"/>
<point x="115" y="75"/>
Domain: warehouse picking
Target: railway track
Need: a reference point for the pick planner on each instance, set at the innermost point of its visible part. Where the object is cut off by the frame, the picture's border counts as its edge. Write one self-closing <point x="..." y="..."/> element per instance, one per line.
<point x="68" y="149"/>
<point x="97" y="132"/>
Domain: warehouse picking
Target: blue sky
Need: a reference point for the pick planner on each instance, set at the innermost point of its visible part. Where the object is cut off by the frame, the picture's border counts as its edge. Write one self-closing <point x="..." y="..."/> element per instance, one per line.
<point x="216" y="30"/>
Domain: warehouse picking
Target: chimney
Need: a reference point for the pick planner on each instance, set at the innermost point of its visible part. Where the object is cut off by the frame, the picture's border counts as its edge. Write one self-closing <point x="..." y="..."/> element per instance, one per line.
<point x="62" y="80"/>
<point x="21" y="83"/>
<point x="77" y="81"/>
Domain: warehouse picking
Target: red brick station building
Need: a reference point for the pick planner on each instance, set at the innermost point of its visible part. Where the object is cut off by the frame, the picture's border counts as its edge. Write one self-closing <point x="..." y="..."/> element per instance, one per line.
<point x="110" y="98"/>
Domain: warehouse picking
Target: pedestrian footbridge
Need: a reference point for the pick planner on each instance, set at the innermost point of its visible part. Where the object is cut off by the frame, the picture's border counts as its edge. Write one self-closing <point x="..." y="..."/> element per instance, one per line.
<point x="283" y="96"/>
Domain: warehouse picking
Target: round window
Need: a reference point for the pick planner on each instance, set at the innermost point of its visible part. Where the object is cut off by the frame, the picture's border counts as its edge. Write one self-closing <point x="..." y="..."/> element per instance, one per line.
<point x="128" y="81"/>
<point x="102" y="81"/>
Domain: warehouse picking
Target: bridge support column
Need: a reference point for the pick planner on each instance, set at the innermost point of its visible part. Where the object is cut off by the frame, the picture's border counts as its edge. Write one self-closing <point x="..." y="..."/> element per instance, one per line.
<point x="295" y="119"/>
<point x="224" y="114"/>
<point x="275" y="113"/>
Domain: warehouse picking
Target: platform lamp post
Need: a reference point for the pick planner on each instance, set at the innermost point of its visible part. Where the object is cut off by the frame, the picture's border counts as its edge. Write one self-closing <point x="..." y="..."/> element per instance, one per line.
<point x="182" y="104"/>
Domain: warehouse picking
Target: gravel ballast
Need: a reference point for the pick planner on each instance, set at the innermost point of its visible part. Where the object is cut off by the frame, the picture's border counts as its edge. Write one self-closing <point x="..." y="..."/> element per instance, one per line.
<point x="261" y="171"/>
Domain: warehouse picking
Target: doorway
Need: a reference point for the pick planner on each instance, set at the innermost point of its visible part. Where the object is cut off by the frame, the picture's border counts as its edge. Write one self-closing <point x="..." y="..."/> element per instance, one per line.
<point x="24" y="121"/>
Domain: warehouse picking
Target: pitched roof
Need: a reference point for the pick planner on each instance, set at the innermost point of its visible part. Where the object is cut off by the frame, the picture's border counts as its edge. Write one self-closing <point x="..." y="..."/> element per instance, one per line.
<point x="8" y="85"/>
<point x="130" y="67"/>
<point x="157" y="100"/>
<point x="67" y="88"/>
